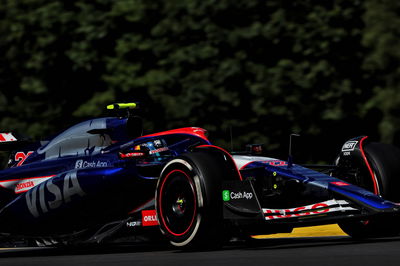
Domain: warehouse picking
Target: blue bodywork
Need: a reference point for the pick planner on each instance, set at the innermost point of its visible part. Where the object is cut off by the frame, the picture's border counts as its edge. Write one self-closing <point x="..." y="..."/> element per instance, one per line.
<point x="325" y="182"/>
<point x="84" y="180"/>
<point x="98" y="173"/>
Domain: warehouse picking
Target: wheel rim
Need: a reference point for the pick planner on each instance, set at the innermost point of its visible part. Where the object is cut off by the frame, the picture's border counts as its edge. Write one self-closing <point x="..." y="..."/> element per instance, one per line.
<point x="177" y="203"/>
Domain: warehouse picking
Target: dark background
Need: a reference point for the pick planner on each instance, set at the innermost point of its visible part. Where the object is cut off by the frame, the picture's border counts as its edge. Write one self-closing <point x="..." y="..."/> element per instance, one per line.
<point x="328" y="70"/>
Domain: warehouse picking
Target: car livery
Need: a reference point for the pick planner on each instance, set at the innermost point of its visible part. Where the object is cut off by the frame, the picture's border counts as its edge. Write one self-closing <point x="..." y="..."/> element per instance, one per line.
<point x="101" y="180"/>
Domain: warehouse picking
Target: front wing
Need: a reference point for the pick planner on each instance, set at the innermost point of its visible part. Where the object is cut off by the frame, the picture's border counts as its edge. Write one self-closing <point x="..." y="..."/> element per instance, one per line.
<point x="309" y="198"/>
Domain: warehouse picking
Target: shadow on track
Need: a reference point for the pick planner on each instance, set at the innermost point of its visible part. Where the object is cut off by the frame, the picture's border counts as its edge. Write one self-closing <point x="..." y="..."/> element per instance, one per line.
<point x="309" y="242"/>
<point x="82" y="250"/>
<point x="254" y="245"/>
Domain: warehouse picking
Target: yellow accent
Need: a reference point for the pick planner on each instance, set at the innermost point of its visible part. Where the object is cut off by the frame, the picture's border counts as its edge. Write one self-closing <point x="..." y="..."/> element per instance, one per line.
<point x="314" y="231"/>
<point x="274" y="173"/>
<point x="275" y="186"/>
<point x="121" y="106"/>
<point x="179" y="201"/>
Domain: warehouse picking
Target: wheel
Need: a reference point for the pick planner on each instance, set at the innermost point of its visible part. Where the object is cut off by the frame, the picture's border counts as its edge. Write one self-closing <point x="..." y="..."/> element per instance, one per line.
<point x="189" y="201"/>
<point x="382" y="178"/>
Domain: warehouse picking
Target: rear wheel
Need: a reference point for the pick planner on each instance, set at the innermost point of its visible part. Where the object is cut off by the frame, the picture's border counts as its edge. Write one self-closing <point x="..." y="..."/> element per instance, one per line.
<point x="189" y="202"/>
<point x="382" y="178"/>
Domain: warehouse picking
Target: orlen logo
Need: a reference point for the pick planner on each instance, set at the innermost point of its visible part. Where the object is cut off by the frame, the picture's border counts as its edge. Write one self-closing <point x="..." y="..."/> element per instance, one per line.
<point x="149" y="218"/>
<point x="296" y="212"/>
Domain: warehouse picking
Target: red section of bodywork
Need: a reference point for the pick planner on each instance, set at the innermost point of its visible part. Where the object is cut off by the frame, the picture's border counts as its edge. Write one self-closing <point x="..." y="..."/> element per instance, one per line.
<point x="376" y="190"/>
<point x="340" y="183"/>
<point x="195" y="131"/>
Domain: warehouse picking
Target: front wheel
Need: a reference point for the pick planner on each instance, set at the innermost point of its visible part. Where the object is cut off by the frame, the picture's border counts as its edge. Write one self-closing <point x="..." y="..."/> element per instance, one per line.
<point x="189" y="202"/>
<point x="379" y="172"/>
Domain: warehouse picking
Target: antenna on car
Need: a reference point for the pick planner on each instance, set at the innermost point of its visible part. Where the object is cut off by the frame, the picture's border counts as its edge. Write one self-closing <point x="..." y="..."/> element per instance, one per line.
<point x="290" y="158"/>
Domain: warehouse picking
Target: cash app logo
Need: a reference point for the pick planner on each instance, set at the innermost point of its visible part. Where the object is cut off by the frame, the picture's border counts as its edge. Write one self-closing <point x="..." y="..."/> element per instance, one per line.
<point x="225" y="195"/>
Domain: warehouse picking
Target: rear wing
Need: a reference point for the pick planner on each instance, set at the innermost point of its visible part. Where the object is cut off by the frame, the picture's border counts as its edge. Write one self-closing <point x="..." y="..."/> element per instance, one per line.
<point x="6" y="137"/>
<point x="19" y="147"/>
<point x="11" y="142"/>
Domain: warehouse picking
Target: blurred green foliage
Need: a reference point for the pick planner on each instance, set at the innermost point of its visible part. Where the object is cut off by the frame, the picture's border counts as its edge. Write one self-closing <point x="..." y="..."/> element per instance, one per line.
<point x="328" y="70"/>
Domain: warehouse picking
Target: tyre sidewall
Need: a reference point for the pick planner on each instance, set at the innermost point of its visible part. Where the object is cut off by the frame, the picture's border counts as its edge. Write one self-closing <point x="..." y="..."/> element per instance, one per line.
<point x="204" y="174"/>
<point x="384" y="160"/>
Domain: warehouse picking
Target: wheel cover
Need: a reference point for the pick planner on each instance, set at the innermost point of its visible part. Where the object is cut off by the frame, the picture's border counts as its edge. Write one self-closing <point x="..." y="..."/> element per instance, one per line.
<point x="177" y="203"/>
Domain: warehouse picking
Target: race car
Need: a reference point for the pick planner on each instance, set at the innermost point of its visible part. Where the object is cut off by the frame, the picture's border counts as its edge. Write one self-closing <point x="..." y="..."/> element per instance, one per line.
<point x="102" y="180"/>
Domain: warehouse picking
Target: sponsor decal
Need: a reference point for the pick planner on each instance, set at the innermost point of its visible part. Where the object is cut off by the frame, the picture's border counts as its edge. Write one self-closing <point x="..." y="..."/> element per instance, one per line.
<point x="276" y="163"/>
<point x="131" y="155"/>
<point x="231" y="195"/>
<point x="158" y="150"/>
<point x="349" y="146"/>
<point x="20" y="157"/>
<point x="149" y="218"/>
<point x="313" y="209"/>
<point x="48" y="195"/>
<point x="133" y="224"/>
<point x="87" y="164"/>
<point x="225" y="195"/>
<point x="241" y="195"/>
<point x="155" y="146"/>
<point x="7" y="137"/>
<point x="300" y="211"/>
<point x="23" y="184"/>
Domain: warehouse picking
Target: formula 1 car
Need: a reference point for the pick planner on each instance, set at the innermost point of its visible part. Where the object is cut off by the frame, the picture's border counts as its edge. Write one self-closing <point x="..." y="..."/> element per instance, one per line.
<point x="102" y="180"/>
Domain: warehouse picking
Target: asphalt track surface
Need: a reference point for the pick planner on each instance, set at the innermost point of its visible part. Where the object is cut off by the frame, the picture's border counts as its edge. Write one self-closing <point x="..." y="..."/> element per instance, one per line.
<point x="322" y="251"/>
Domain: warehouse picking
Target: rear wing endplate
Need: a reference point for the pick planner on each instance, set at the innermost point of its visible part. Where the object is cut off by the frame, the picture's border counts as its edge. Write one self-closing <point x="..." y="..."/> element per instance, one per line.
<point x="10" y="142"/>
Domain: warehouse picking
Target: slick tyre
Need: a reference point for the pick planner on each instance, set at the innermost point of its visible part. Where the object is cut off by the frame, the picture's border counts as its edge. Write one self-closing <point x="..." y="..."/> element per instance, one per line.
<point x="384" y="161"/>
<point x="189" y="201"/>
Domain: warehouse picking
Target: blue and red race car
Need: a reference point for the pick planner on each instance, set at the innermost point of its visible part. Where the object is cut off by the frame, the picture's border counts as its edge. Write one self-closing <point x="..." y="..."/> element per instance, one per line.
<point x="102" y="180"/>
